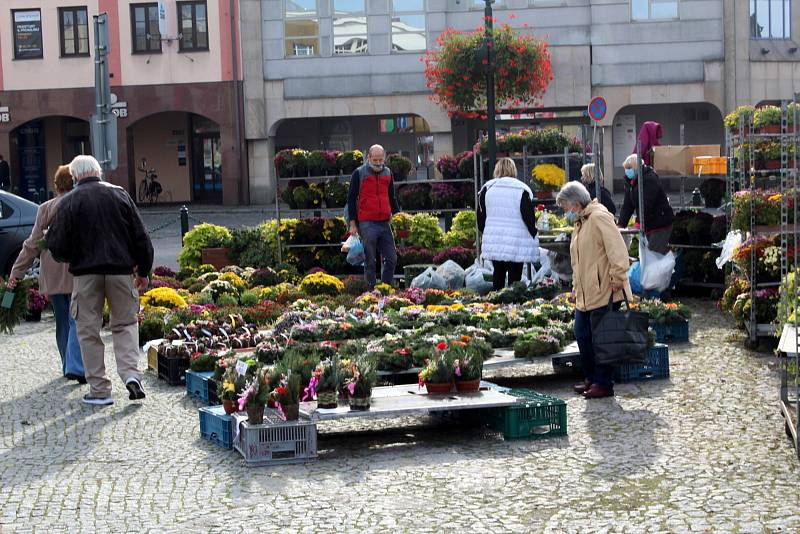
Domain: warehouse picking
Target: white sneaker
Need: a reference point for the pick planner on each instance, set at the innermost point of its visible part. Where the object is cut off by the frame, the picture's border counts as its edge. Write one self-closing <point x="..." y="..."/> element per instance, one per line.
<point x="97" y="401"/>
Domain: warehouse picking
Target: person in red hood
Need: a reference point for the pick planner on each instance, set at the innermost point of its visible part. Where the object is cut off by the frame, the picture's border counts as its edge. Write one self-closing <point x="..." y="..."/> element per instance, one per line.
<point x="649" y="136"/>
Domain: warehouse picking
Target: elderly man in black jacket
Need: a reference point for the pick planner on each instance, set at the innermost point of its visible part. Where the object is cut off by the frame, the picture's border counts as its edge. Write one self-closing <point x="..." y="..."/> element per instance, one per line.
<point x="99" y="232"/>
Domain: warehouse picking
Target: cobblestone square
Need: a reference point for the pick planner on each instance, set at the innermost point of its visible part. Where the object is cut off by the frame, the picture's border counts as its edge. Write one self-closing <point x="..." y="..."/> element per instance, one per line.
<point x="702" y="451"/>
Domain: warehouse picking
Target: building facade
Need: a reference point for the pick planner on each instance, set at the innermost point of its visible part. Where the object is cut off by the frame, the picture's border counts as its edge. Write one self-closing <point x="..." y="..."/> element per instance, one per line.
<point x="347" y="73"/>
<point x="177" y="85"/>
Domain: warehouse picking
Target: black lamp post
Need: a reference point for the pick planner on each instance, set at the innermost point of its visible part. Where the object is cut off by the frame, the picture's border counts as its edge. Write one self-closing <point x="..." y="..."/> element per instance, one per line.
<point x="489" y="43"/>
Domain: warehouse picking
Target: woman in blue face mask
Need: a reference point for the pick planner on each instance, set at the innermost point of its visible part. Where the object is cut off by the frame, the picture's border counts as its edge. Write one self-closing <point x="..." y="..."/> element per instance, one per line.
<point x="656" y="215"/>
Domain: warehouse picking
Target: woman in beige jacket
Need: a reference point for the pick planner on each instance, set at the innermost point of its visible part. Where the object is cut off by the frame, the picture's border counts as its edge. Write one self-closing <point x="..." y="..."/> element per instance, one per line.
<point x="599" y="275"/>
<point x="54" y="280"/>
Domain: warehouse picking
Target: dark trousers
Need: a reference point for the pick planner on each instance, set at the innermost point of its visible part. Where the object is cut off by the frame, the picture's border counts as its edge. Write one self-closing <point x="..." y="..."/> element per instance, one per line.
<point x="377" y="239"/>
<point x="599" y="374"/>
<point x="67" y="336"/>
<point x="513" y="269"/>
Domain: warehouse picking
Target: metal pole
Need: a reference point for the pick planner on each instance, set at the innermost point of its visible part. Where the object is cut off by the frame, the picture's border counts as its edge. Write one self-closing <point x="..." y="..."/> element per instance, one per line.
<point x="490" y="84"/>
<point x="184" y="221"/>
<point x="101" y="90"/>
<point x="640" y="189"/>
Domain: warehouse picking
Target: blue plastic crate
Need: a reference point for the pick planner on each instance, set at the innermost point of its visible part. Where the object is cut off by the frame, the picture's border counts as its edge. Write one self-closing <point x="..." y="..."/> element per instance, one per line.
<point x="197" y="385"/>
<point x="216" y="426"/>
<point x="674" y="332"/>
<point x="656" y="366"/>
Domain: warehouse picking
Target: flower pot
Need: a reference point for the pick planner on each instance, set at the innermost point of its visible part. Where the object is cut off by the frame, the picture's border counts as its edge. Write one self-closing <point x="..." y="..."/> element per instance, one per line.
<point x="360" y="403"/>
<point x="438" y="389"/>
<point x="291" y="411"/>
<point x="218" y="257"/>
<point x="772" y="164"/>
<point x="544" y="195"/>
<point x="468" y="386"/>
<point x="255" y="414"/>
<point x="326" y="399"/>
<point x="229" y="406"/>
<point x="770" y="129"/>
<point x="33" y="316"/>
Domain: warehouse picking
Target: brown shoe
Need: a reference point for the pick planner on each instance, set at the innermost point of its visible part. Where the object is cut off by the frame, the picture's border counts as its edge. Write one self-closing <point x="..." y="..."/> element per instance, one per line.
<point x="598" y="392"/>
<point x="581" y="388"/>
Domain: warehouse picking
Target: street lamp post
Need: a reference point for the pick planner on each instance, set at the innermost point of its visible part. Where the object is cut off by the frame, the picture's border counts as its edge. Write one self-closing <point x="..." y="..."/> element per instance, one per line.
<point x="489" y="37"/>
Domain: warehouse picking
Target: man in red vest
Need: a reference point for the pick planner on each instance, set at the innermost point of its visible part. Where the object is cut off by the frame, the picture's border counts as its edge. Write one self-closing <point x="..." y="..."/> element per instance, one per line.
<point x="371" y="203"/>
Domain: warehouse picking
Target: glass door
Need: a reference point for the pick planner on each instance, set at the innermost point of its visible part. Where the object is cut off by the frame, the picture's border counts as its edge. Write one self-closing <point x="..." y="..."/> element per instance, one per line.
<point x="207" y="168"/>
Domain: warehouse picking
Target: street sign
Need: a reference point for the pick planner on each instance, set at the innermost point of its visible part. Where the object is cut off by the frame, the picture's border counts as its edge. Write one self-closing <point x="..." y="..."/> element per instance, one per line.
<point x="597" y="108"/>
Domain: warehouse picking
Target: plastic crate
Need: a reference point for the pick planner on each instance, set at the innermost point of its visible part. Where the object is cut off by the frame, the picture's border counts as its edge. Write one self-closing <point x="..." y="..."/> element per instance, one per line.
<point x="197" y="385"/>
<point x="656" y="366"/>
<point x="216" y="426"/>
<point x="674" y="332"/>
<point x="567" y="365"/>
<point x="535" y="416"/>
<point x="213" y="400"/>
<point x="173" y="370"/>
<point x="276" y="441"/>
<point x="710" y="164"/>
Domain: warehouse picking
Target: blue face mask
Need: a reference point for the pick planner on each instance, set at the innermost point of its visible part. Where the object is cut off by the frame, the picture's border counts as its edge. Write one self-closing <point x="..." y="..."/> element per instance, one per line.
<point x="571" y="217"/>
<point x="630" y="173"/>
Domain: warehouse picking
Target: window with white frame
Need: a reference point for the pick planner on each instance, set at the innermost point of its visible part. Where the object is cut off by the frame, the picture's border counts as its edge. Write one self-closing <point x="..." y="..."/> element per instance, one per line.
<point x="480" y="4"/>
<point x="301" y="28"/>
<point x="654" y="9"/>
<point x="408" y="26"/>
<point x="546" y="3"/>
<point x="770" y="19"/>
<point x="349" y="26"/>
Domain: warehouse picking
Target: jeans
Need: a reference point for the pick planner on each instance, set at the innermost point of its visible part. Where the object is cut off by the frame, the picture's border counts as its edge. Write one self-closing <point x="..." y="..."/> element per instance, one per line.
<point x="596" y="373"/>
<point x="377" y="239"/>
<point x="67" y="336"/>
<point x="513" y="269"/>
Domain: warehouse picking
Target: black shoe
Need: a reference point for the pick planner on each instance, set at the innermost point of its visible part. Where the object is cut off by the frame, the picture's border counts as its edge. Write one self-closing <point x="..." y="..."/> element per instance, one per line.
<point x="72" y="376"/>
<point x="135" y="389"/>
<point x="97" y="401"/>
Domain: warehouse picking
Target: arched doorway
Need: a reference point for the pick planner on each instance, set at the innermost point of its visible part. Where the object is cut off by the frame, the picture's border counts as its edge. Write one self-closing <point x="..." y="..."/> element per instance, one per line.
<point x="39" y="146"/>
<point x="184" y="150"/>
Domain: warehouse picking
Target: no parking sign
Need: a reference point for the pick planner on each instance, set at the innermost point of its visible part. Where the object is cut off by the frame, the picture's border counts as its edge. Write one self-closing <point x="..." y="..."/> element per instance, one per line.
<point x="597" y="108"/>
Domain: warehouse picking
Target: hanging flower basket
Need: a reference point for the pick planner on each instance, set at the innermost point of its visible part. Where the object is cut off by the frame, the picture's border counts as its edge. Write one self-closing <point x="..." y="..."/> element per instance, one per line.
<point x="455" y="70"/>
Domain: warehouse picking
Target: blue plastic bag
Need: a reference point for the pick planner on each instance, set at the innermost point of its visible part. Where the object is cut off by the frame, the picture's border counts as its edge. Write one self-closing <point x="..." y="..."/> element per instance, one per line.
<point x="634" y="277"/>
<point x="356" y="256"/>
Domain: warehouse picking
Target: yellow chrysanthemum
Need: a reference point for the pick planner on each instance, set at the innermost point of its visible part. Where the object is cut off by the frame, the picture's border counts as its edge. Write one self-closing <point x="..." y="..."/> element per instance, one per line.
<point x="549" y="175"/>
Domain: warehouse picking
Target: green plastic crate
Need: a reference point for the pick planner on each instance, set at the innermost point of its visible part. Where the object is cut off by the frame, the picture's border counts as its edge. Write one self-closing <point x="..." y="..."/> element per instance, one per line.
<point x="537" y="416"/>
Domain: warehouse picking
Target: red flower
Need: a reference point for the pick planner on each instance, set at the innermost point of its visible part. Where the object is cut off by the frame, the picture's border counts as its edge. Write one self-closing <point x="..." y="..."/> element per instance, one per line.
<point x="540" y="207"/>
<point x="441" y="346"/>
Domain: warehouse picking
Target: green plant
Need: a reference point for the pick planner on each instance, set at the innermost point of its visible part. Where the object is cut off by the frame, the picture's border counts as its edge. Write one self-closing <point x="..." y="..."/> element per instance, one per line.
<point x="767" y="116"/>
<point x="217" y="288"/>
<point x="468" y="364"/>
<point x="151" y="326"/>
<point x="10" y="317"/>
<point x="202" y="362"/>
<point x="329" y="375"/>
<point x="350" y="160"/>
<point x="713" y="191"/>
<point x="230" y="383"/>
<point x="226" y="300"/>
<point x="463" y="230"/>
<point x="336" y="193"/>
<point x="249" y="248"/>
<point x="250" y="297"/>
<point x="439" y="369"/>
<point x="466" y="164"/>
<point x="302" y="197"/>
<point x="360" y="376"/>
<point x="202" y="236"/>
<point x="321" y="284"/>
<point x="536" y="343"/>
<point x="426" y="232"/>
<point x="399" y="165"/>
<point x="741" y="115"/>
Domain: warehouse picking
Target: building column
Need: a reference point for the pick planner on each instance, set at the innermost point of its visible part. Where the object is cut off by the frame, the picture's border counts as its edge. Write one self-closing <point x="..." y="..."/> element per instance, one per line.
<point x="260" y="167"/>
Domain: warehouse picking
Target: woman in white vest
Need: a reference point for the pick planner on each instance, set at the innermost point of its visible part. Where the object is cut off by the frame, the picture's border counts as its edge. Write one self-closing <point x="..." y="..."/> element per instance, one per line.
<point x="508" y="224"/>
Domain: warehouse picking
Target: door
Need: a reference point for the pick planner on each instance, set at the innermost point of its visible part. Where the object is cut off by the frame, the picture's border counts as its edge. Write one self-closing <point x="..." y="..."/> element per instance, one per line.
<point x="31" y="157"/>
<point x="207" y="181"/>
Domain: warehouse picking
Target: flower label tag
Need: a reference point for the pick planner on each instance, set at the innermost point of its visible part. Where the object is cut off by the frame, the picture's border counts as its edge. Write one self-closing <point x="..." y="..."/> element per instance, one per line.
<point x="241" y="368"/>
<point x="8" y="300"/>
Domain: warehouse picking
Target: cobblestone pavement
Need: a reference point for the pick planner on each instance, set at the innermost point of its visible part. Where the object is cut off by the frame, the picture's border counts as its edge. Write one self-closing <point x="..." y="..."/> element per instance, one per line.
<point x="702" y="451"/>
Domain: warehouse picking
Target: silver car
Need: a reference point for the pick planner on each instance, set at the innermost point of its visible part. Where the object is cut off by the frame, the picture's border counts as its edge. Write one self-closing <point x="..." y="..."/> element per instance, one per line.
<point x="17" y="217"/>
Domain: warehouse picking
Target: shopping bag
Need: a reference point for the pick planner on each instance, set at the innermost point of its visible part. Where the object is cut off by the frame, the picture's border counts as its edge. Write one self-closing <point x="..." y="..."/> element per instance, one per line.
<point x="732" y="242"/>
<point x="349" y="243"/>
<point x="635" y="278"/>
<point x="429" y="279"/>
<point x="452" y="273"/>
<point x="656" y="269"/>
<point x="474" y="278"/>
<point x="356" y="256"/>
<point x="619" y="337"/>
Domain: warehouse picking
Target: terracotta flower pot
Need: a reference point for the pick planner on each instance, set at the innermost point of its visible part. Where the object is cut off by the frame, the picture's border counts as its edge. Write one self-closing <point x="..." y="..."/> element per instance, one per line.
<point x="360" y="403"/>
<point x="326" y="399"/>
<point x="255" y="414"/>
<point x="468" y="386"/>
<point x="229" y="406"/>
<point x="218" y="257"/>
<point x="770" y="129"/>
<point x="544" y="195"/>
<point x="291" y="411"/>
<point x="438" y="389"/>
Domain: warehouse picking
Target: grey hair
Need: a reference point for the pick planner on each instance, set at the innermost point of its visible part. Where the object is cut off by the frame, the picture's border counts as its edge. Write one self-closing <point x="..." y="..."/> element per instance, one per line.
<point x="573" y="192"/>
<point x="84" y="167"/>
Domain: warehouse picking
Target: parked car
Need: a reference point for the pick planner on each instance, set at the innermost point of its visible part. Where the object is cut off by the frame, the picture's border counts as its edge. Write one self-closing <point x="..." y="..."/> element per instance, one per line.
<point x="17" y="217"/>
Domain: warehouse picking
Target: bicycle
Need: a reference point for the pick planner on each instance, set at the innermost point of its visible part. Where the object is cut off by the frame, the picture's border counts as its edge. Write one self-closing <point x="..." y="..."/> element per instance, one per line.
<point x="149" y="187"/>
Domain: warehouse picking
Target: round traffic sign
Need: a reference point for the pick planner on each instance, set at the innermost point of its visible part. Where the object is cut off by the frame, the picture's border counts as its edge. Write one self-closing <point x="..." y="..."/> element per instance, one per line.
<point x="597" y="108"/>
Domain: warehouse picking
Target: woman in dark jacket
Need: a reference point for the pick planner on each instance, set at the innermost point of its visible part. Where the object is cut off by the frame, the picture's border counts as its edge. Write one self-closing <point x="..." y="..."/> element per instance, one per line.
<point x="656" y="217"/>
<point x="588" y="174"/>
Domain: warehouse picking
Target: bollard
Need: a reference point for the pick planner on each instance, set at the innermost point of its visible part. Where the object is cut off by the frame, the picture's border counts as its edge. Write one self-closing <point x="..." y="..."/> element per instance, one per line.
<point x="184" y="221"/>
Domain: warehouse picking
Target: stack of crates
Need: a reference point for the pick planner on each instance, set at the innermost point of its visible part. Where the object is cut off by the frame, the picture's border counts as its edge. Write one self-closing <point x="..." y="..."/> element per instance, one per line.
<point x="197" y="386"/>
<point x="672" y="332"/>
<point x="656" y="366"/>
<point x="535" y="416"/>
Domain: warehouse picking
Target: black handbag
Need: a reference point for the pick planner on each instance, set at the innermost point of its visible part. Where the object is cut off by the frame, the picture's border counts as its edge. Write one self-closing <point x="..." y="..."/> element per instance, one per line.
<point x="619" y="337"/>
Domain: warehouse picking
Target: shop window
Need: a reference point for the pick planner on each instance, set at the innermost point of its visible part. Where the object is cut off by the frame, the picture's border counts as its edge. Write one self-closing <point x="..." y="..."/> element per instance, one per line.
<point x="144" y="28"/>
<point x="349" y="26"/>
<point x="193" y="26"/>
<point x="408" y="26"/>
<point x="74" y="31"/>
<point x="654" y="9"/>
<point x="301" y="28"/>
<point x="27" y="33"/>
<point x="770" y="19"/>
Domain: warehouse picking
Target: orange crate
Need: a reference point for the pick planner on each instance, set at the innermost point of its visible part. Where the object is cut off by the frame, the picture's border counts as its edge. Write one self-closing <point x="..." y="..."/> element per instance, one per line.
<point x="710" y="164"/>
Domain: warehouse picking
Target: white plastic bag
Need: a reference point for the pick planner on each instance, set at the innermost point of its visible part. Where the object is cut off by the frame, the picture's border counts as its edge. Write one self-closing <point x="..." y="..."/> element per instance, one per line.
<point x="732" y="241"/>
<point x="429" y="279"/>
<point x="347" y="245"/>
<point x="544" y="268"/>
<point x="452" y="273"/>
<point x="475" y="280"/>
<point x="656" y="269"/>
